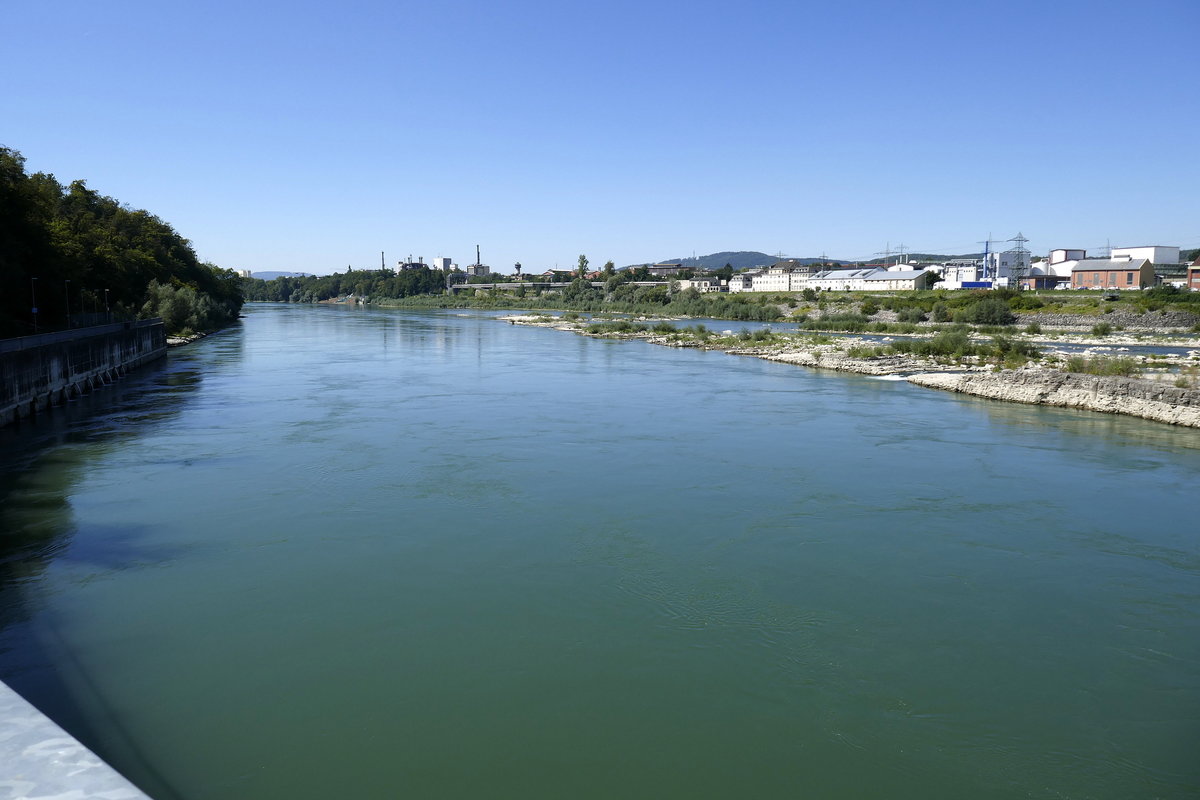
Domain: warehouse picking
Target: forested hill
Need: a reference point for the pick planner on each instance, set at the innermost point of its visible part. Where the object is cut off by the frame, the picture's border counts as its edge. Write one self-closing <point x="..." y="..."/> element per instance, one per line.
<point x="60" y="243"/>
<point x="740" y="259"/>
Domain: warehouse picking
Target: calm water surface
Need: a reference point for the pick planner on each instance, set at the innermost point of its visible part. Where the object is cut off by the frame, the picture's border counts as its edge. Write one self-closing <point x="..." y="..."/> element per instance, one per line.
<point x="339" y="553"/>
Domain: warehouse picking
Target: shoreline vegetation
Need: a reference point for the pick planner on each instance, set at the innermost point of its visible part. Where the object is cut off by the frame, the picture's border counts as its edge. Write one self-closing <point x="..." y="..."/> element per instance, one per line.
<point x="72" y="258"/>
<point x="1011" y="366"/>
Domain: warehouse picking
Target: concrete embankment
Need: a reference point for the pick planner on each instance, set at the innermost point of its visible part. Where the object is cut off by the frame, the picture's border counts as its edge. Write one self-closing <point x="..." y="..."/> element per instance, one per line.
<point x="1113" y="395"/>
<point x="37" y="372"/>
<point x="41" y="760"/>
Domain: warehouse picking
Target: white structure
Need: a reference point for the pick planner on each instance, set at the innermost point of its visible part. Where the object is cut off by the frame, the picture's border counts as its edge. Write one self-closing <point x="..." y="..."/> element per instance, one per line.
<point x="843" y="280"/>
<point x="245" y="273"/>
<point x="741" y="282"/>
<point x="785" y="276"/>
<point x="703" y="285"/>
<point x="1155" y="254"/>
<point x="775" y="279"/>
<point x="441" y="263"/>
<point x="898" y="281"/>
<point x="1004" y="265"/>
<point x="1066" y="254"/>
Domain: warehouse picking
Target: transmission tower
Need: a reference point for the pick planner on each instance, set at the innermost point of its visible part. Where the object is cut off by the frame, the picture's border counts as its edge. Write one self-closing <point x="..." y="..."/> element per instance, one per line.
<point x="1022" y="255"/>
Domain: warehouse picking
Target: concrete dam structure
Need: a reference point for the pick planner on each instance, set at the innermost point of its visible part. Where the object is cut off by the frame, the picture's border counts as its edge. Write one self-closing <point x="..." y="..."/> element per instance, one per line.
<point x="37" y="372"/>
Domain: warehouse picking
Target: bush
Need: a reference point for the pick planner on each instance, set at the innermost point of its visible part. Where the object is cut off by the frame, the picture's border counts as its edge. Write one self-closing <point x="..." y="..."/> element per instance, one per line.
<point x="869" y="308"/>
<point x="1101" y="365"/>
<point x="1101" y="329"/>
<point x="183" y="309"/>
<point x="854" y="323"/>
<point x="1033" y="327"/>
<point x="989" y="311"/>
<point x="911" y="315"/>
<point x="941" y="313"/>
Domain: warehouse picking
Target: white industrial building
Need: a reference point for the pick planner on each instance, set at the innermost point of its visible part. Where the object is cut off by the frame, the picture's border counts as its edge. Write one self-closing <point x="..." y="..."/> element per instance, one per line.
<point x="1155" y="254"/>
<point x="441" y="263"/>
<point x="898" y="280"/>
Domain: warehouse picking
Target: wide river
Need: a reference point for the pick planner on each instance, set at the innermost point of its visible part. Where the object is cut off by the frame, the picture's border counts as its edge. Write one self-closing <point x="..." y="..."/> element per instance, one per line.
<point x="337" y="553"/>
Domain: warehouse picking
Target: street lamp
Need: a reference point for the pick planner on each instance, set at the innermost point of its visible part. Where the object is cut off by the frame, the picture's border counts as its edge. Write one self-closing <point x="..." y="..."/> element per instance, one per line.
<point x="67" y="296"/>
<point x="33" y="290"/>
<point x="107" y="311"/>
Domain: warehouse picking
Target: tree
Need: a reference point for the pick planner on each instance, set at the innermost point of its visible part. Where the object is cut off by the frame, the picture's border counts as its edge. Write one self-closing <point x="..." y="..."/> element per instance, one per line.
<point x="583" y="265"/>
<point x="609" y="268"/>
<point x="725" y="272"/>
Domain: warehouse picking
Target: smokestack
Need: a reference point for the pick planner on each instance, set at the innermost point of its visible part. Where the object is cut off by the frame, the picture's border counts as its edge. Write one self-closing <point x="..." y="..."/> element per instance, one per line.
<point x="477" y="261"/>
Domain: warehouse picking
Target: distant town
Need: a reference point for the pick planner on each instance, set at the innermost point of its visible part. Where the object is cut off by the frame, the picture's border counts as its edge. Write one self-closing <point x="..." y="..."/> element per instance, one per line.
<point x="1139" y="267"/>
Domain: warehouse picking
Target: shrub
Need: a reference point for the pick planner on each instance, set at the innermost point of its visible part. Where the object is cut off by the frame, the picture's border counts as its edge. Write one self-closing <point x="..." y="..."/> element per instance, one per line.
<point x="183" y="309"/>
<point x="617" y="326"/>
<point x="853" y="323"/>
<point x="989" y="311"/>
<point x="869" y="308"/>
<point x="941" y="313"/>
<point x="664" y="327"/>
<point x="1033" y="327"/>
<point x="911" y="315"/>
<point x="1102" y="365"/>
<point x="1101" y="329"/>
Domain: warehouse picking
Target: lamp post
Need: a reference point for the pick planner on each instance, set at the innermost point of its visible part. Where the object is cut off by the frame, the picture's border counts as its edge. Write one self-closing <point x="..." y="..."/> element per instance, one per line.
<point x="107" y="311"/>
<point x="67" y="297"/>
<point x="33" y="290"/>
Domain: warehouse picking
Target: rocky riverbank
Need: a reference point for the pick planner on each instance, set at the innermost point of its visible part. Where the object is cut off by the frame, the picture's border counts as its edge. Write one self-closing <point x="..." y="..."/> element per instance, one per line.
<point x="1048" y="387"/>
<point x="1033" y="383"/>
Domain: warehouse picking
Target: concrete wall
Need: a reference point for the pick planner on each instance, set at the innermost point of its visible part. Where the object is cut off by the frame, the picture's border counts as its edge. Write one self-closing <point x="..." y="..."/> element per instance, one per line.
<point x="38" y="759"/>
<point x="37" y="372"/>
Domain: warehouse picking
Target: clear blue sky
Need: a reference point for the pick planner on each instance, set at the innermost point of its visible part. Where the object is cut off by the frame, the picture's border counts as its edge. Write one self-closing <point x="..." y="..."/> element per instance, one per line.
<point x="311" y="136"/>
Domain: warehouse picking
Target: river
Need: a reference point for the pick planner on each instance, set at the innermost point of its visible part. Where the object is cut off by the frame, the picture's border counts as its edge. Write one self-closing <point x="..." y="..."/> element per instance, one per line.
<point x="338" y="552"/>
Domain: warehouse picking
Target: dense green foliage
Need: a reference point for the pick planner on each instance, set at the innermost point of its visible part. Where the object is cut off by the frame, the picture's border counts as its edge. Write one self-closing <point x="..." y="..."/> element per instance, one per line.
<point x="988" y="311"/>
<point x="379" y="283"/>
<point x="63" y="245"/>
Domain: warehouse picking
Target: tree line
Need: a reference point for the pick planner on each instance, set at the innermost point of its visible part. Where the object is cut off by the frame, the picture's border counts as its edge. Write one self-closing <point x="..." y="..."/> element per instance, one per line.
<point x="78" y="256"/>
<point x="362" y="283"/>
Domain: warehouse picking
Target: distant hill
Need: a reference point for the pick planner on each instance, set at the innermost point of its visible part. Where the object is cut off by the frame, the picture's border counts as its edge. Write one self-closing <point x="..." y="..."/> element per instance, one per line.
<point x="738" y="259"/>
<point x="270" y="275"/>
<point x="942" y="256"/>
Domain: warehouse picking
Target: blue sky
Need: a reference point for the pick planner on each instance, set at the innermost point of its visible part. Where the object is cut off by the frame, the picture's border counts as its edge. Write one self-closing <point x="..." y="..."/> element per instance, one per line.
<point x="311" y="136"/>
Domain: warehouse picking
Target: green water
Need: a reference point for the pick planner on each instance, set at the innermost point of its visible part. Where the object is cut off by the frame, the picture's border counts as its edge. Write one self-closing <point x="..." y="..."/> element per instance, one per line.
<point x="338" y="553"/>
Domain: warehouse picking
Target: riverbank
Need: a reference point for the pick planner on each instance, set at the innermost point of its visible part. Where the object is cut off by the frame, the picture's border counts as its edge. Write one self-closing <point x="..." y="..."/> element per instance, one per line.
<point x="1002" y="371"/>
